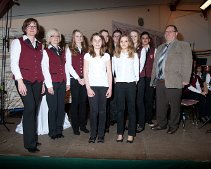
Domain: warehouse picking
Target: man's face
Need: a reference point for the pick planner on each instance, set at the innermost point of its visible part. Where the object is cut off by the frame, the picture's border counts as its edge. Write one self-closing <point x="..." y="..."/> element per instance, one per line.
<point x="145" y="40"/>
<point x="170" y="34"/>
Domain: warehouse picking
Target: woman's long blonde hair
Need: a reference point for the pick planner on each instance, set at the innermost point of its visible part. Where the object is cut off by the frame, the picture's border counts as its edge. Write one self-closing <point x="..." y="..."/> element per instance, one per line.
<point x="130" y="47"/>
<point x="72" y="44"/>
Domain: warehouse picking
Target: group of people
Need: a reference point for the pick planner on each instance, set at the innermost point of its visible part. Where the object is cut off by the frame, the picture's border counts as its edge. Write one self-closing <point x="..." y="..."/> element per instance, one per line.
<point x="199" y="89"/>
<point x="112" y="72"/>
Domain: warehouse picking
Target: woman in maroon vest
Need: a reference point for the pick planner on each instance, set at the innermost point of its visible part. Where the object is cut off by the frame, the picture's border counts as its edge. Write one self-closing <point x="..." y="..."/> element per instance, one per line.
<point x="197" y="90"/>
<point x="76" y="51"/>
<point x="26" y="56"/>
<point x="55" y="75"/>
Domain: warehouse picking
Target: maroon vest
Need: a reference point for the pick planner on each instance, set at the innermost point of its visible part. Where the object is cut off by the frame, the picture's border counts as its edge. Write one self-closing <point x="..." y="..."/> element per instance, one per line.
<point x="56" y="66"/>
<point x="78" y="61"/>
<point x="193" y="81"/>
<point x="147" y="70"/>
<point x="30" y="61"/>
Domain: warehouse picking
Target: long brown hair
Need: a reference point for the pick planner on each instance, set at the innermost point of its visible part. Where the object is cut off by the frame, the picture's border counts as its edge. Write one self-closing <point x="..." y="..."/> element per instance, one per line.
<point x="72" y="44"/>
<point x="131" y="50"/>
<point x="91" y="47"/>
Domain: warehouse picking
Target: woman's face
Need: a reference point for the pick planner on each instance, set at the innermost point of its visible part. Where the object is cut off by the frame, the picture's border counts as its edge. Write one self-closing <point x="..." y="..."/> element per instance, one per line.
<point x="55" y="38"/>
<point x="78" y="38"/>
<point x="134" y="37"/>
<point x="97" y="42"/>
<point x="31" y="29"/>
<point x="124" y="43"/>
<point x="106" y="36"/>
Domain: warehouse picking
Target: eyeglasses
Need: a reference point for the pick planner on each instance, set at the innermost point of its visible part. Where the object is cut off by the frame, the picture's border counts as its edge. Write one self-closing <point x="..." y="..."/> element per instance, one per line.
<point x="170" y="31"/>
<point x="54" y="36"/>
<point x="32" y="27"/>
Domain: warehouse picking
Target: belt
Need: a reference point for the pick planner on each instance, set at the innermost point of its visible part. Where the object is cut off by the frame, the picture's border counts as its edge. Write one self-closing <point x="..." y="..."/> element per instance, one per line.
<point x="162" y="80"/>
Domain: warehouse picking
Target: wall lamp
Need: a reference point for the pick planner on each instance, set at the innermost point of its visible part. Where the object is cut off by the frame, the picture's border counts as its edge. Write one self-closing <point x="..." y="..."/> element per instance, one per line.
<point x="205" y="5"/>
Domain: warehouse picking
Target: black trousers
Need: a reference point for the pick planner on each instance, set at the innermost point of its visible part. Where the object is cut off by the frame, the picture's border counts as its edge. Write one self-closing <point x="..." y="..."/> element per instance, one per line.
<point x="31" y="104"/>
<point x="56" y="108"/>
<point x="78" y="105"/>
<point x="126" y="92"/>
<point x="111" y="111"/>
<point x="149" y="99"/>
<point x="144" y="101"/>
<point x="140" y="102"/>
<point x="164" y="98"/>
<point x="98" y="111"/>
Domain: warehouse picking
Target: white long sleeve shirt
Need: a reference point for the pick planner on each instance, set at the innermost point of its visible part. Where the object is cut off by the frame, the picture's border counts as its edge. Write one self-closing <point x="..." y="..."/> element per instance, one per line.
<point x="15" y="51"/>
<point x="125" y="68"/>
<point x="142" y="59"/>
<point x="46" y="73"/>
<point x="196" y="89"/>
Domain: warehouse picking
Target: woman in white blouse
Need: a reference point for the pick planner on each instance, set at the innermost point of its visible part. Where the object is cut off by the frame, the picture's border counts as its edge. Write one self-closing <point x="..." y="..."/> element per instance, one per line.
<point x="126" y="67"/>
<point x="98" y="80"/>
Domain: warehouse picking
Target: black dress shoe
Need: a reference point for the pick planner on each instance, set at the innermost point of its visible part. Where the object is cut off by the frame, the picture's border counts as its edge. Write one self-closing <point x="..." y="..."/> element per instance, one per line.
<point x="38" y="144"/>
<point x="53" y="137"/>
<point x="107" y="130"/>
<point x="139" y="129"/>
<point x="92" y="139"/>
<point x="157" y="127"/>
<point x="100" y="140"/>
<point x="113" y="122"/>
<point x="151" y="124"/>
<point x="85" y="130"/>
<point x="76" y="132"/>
<point x="33" y="150"/>
<point x="171" y="130"/>
<point x="60" y="136"/>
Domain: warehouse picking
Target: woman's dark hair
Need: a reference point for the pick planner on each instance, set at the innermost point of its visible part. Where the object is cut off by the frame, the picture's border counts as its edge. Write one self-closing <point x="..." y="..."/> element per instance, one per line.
<point x="27" y="22"/>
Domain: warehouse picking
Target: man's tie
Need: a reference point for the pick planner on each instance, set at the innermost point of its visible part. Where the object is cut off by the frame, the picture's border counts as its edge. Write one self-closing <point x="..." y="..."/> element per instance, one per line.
<point x="160" y="61"/>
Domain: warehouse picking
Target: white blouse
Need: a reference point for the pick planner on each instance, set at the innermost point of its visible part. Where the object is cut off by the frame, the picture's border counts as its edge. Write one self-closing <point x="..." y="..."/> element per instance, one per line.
<point x="125" y="68"/>
<point x="97" y="73"/>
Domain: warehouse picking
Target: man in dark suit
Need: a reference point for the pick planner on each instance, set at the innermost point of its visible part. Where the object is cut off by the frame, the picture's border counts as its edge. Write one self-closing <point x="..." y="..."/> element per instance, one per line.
<point x="171" y="72"/>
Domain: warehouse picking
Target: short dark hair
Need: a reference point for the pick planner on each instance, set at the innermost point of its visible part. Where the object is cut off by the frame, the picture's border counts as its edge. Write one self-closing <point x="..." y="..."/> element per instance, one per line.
<point x="145" y="33"/>
<point x="103" y="30"/>
<point x="27" y="22"/>
<point x="116" y="31"/>
<point x="175" y="28"/>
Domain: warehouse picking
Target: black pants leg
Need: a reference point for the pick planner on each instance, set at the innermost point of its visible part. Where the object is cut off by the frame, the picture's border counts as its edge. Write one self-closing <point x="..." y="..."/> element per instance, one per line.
<point x="78" y="105"/>
<point x="126" y="92"/>
<point x="149" y="99"/>
<point x="98" y="111"/>
<point x="31" y="104"/>
<point x="140" y="102"/>
<point x="56" y="112"/>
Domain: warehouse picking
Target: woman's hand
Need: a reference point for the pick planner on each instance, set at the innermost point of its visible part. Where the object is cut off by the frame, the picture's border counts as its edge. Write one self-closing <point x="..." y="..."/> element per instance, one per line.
<point x="51" y="91"/>
<point x="109" y="93"/>
<point x="22" y="87"/>
<point x="43" y="89"/>
<point x="90" y="92"/>
<point x="67" y="87"/>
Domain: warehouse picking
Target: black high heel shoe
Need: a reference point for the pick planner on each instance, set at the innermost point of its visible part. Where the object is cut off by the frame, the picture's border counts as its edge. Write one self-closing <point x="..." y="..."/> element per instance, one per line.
<point x="92" y="139"/>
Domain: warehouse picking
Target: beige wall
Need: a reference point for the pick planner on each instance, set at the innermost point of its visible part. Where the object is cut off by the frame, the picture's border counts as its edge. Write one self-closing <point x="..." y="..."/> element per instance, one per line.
<point x="192" y="26"/>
